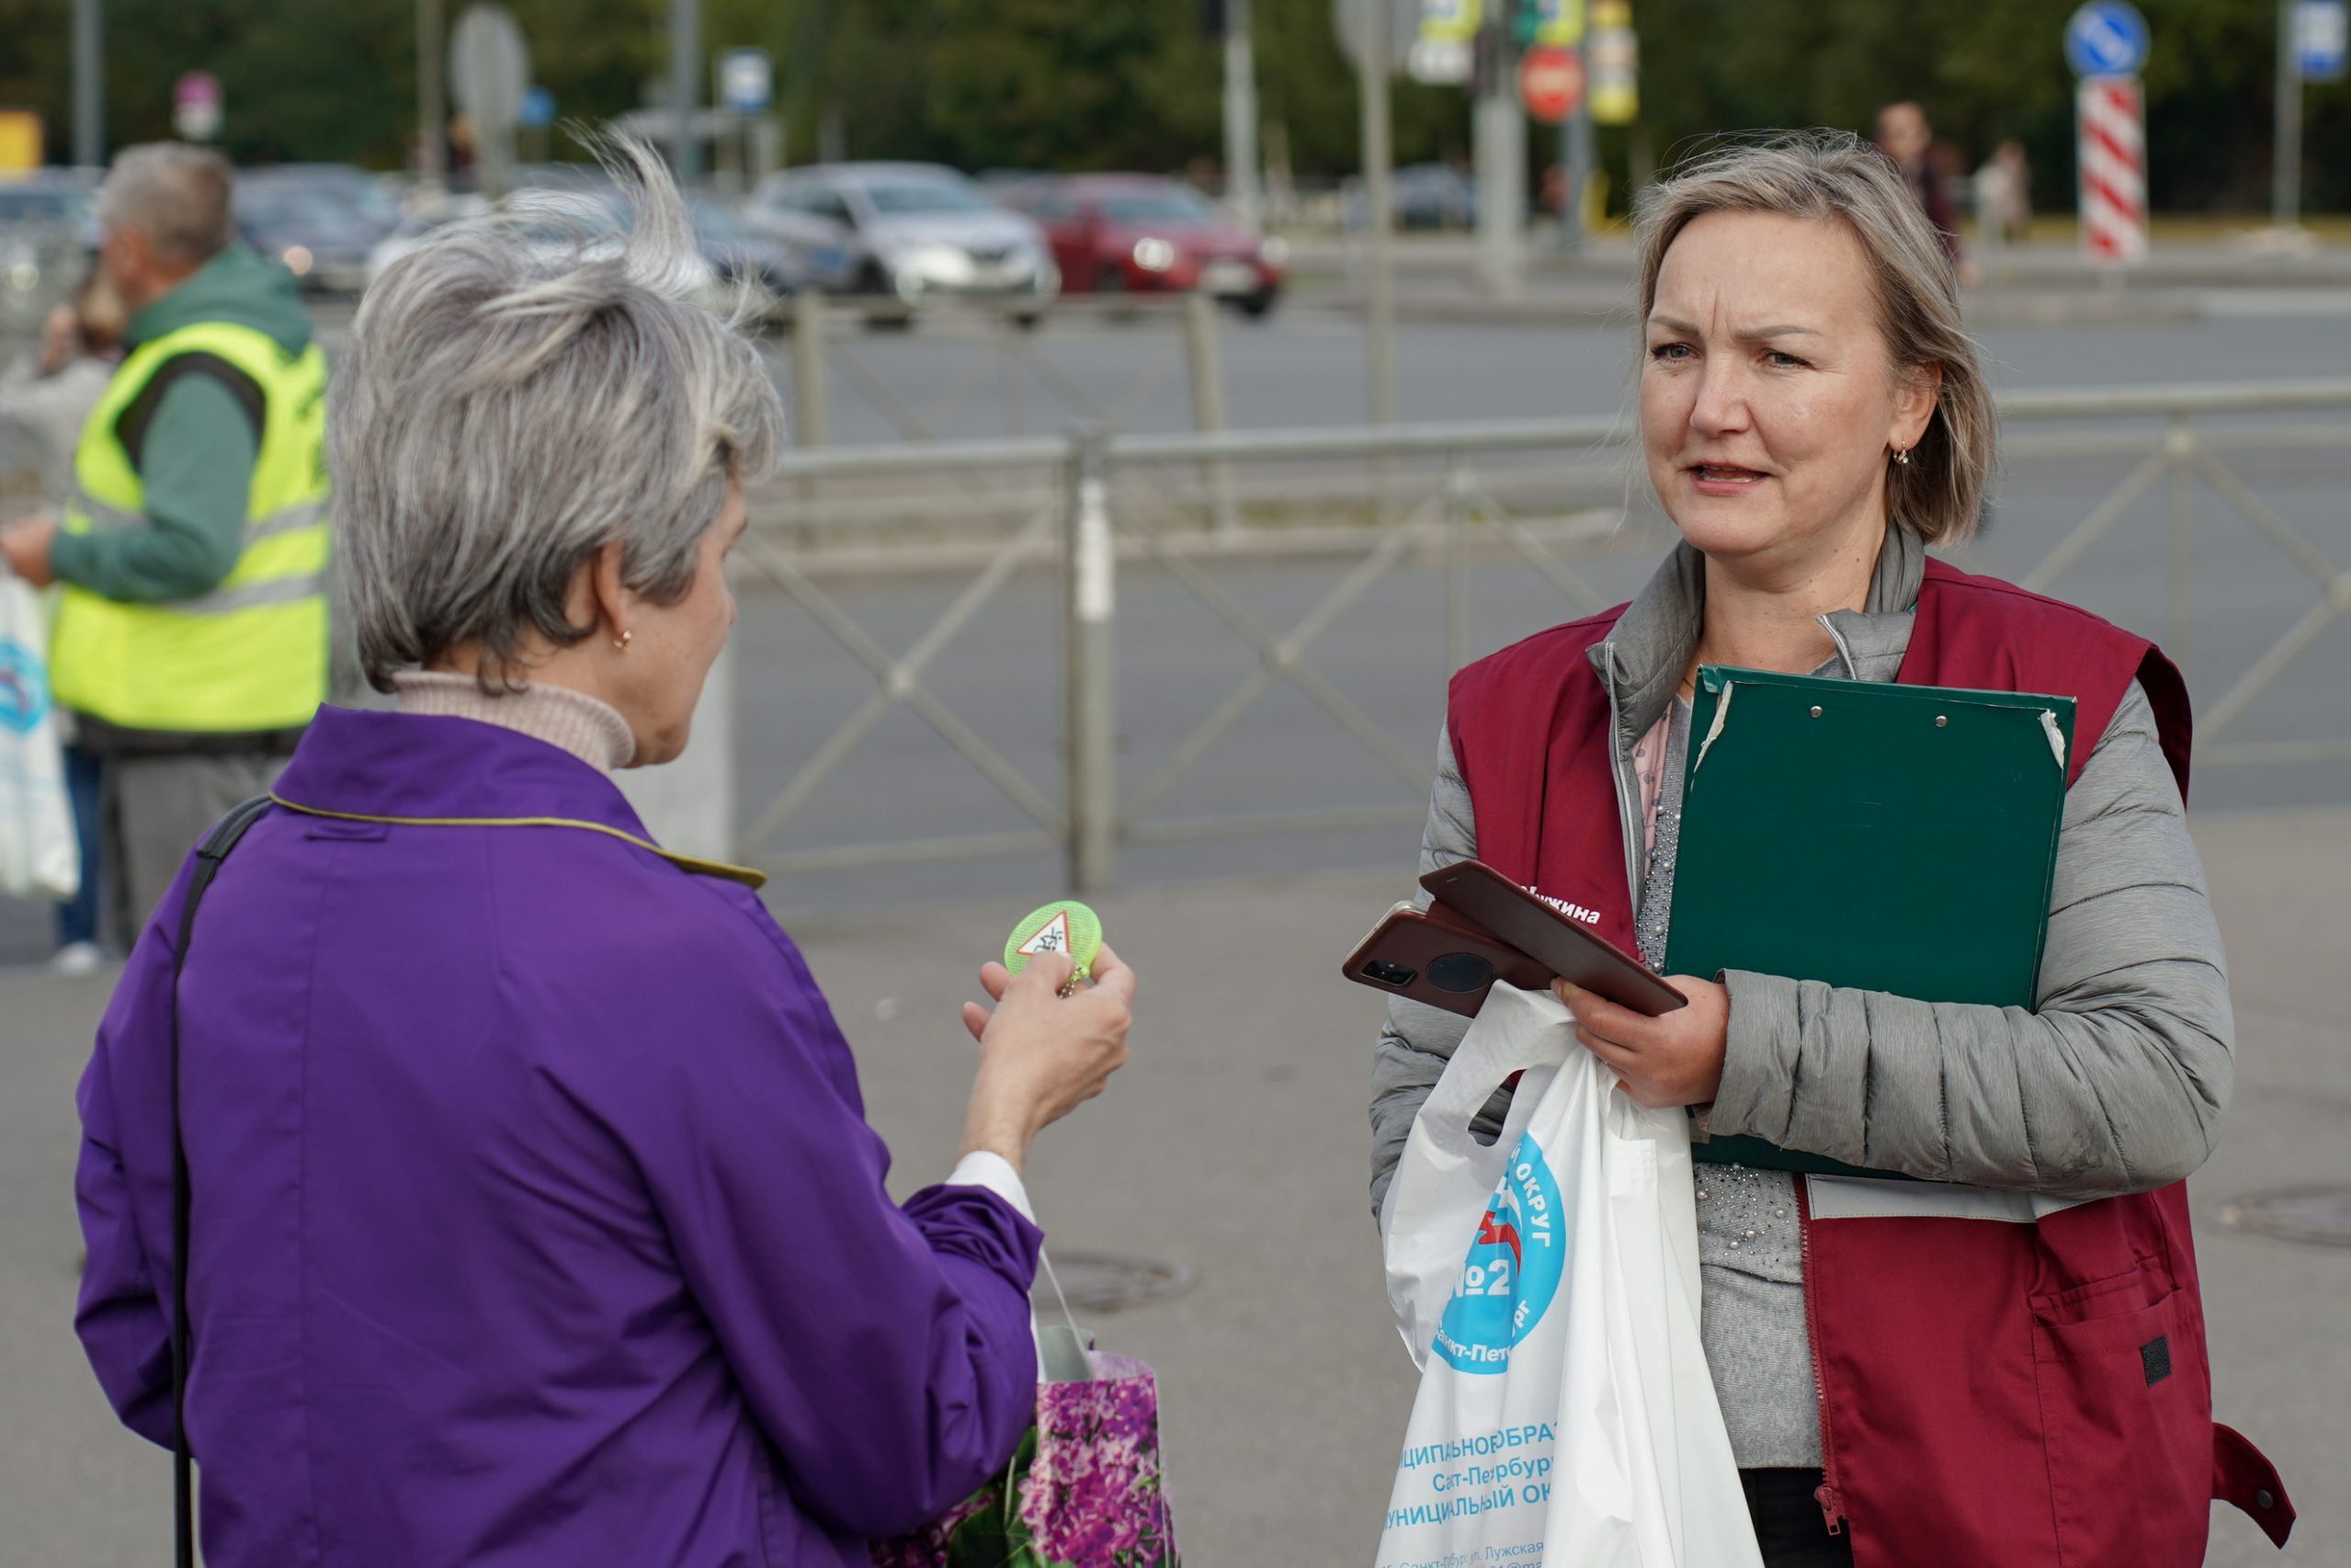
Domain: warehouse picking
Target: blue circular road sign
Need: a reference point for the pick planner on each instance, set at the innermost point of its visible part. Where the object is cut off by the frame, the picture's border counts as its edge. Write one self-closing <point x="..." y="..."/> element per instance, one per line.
<point x="2107" y="37"/>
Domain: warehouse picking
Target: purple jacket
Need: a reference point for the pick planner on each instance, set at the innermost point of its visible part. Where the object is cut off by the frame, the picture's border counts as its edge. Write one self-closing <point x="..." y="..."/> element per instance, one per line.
<point x="535" y="1217"/>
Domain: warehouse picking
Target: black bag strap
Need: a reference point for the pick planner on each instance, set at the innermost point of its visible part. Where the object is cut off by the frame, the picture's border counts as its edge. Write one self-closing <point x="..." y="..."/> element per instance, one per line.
<point x="209" y="856"/>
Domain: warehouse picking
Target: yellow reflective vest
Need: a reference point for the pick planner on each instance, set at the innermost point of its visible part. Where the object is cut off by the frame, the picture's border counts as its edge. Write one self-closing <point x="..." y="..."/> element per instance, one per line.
<point x="252" y="653"/>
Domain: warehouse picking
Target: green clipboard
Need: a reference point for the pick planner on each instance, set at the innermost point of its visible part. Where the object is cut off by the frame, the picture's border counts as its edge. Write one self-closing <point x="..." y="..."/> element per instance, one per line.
<point x="1893" y="838"/>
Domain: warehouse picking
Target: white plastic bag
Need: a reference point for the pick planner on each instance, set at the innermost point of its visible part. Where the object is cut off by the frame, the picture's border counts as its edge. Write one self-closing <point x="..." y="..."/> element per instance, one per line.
<point x="1548" y="1286"/>
<point x="38" y="855"/>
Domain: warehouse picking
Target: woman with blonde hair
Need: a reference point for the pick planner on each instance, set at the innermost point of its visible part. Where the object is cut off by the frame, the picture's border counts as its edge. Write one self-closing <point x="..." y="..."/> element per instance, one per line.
<point x="1936" y="1377"/>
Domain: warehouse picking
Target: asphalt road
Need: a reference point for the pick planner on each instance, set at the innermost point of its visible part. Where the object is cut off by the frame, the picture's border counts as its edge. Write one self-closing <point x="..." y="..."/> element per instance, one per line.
<point x="1235" y="1144"/>
<point x="1305" y="367"/>
<point x="1176" y="661"/>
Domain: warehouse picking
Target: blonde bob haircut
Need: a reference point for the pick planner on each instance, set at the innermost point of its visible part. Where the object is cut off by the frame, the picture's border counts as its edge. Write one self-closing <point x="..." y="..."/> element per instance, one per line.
<point x="1831" y="177"/>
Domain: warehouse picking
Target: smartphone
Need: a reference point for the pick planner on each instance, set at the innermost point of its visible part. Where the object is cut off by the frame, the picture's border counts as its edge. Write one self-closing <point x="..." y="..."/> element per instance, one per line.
<point x="1500" y="908"/>
<point x="1433" y="955"/>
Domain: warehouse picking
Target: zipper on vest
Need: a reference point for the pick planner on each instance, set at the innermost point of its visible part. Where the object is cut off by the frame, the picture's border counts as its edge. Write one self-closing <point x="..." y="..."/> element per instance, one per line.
<point x="1843" y="649"/>
<point x="1628" y="818"/>
<point x="1826" y="1494"/>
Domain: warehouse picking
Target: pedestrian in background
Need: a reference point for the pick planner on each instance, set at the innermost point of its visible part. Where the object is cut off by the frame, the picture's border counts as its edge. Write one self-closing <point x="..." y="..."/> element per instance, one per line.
<point x="80" y="344"/>
<point x="1904" y="135"/>
<point x="190" y="644"/>
<point x="2004" y="195"/>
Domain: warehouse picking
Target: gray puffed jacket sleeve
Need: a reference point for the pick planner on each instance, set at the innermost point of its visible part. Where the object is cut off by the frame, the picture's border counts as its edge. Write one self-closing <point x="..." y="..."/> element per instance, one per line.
<point x="2117" y="1084"/>
<point x="1419" y="1039"/>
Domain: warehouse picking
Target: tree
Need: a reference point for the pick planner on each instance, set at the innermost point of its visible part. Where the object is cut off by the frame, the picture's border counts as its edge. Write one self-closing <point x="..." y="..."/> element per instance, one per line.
<point x="1091" y="84"/>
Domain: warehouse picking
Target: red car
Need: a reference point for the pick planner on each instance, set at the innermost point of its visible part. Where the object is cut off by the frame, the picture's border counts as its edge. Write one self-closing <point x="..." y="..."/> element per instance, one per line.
<point x="1140" y="233"/>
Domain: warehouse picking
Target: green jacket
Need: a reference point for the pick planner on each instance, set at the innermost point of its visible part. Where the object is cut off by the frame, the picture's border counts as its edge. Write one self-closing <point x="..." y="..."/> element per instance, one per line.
<point x="196" y="461"/>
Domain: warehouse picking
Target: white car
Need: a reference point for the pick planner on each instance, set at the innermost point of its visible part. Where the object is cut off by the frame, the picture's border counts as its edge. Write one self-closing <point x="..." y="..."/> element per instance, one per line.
<point x="431" y="213"/>
<point x="913" y="233"/>
<point x="556" y="215"/>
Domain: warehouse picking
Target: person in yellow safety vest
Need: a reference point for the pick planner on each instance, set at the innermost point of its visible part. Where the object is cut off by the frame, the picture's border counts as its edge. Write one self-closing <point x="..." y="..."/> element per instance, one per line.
<point x="190" y="643"/>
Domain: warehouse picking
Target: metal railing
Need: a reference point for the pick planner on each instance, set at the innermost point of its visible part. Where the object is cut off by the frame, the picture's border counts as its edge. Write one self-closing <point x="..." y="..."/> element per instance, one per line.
<point x="1007" y="366"/>
<point x="1538" y="491"/>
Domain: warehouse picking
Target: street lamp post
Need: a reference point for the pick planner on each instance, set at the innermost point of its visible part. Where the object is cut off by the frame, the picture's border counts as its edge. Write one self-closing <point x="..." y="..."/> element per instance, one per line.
<point x="1380" y="281"/>
<point x="432" y="102"/>
<point x="1240" y="186"/>
<point x="1575" y="160"/>
<point x="89" y="86"/>
<point x="2286" y="170"/>
<point x="685" y="50"/>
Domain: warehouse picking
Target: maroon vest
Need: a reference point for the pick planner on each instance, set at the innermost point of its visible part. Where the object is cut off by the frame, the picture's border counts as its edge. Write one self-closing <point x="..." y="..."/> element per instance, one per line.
<point x="1991" y="1392"/>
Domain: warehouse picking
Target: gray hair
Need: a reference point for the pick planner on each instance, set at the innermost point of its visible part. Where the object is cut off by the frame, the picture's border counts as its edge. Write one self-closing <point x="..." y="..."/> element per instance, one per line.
<point x="176" y="195"/>
<point x="1831" y="176"/>
<point x="519" y="392"/>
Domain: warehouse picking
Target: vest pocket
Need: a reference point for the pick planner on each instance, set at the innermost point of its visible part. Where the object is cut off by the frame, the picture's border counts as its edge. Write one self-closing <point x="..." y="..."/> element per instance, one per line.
<point x="2126" y="1412"/>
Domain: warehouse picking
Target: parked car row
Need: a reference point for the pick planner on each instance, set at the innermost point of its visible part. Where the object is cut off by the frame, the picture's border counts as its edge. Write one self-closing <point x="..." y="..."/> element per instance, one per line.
<point x="910" y="233"/>
<point x="323" y="220"/>
<point x="897" y="235"/>
<point x="49" y="232"/>
<point x="559" y="204"/>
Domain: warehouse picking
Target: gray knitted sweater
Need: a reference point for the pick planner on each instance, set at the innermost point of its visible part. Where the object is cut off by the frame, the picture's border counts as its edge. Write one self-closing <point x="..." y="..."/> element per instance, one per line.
<point x="2116" y="1082"/>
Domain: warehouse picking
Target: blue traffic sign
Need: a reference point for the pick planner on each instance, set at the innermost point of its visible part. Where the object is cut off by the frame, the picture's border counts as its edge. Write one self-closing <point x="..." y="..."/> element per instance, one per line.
<point x="746" y="81"/>
<point x="2321" y="39"/>
<point x="2107" y="37"/>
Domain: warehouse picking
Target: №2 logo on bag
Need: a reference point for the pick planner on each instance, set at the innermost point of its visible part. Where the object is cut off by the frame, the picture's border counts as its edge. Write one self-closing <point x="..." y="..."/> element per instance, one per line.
<point x="1513" y="1269"/>
<point x="24" y="688"/>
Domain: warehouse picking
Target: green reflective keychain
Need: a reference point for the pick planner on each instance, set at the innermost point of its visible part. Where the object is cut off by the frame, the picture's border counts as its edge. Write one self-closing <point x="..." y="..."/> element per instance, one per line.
<point x="1066" y="926"/>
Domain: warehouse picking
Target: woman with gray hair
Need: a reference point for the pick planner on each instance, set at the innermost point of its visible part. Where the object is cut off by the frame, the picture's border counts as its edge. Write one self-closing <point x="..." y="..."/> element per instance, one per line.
<point x="531" y="1214"/>
<point x="2001" y="1361"/>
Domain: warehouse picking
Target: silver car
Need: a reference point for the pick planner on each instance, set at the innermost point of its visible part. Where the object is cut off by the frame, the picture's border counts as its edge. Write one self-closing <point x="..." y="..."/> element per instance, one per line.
<point x="49" y="241"/>
<point x="909" y="232"/>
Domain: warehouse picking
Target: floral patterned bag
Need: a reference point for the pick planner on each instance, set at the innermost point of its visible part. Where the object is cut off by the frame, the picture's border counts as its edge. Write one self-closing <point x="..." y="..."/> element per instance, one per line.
<point x="1083" y="1489"/>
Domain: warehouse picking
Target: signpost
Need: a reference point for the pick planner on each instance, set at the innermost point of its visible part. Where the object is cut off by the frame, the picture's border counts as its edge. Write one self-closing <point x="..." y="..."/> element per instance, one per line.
<point x="2321" y="39"/>
<point x="1403" y="25"/>
<point x="89" y="85"/>
<point x="1376" y="51"/>
<point x="1551" y="81"/>
<point x="432" y="105"/>
<point x="489" y="76"/>
<point x="1444" y="51"/>
<point x="2107" y="37"/>
<point x="1483" y="35"/>
<point x="20" y="141"/>
<point x="745" y="88"/>
<point x="1612" y="59"/>
<point x="1559" y="24"/>
<point x="1243" y="186"/>
<point x="746" y="81"/>
<point x="2112" y="127"/>
<point x="685" y="65"/>
<point x="196" y="105"/>
<point x="2312" y="46"/>
<point x="2106" y="43"/>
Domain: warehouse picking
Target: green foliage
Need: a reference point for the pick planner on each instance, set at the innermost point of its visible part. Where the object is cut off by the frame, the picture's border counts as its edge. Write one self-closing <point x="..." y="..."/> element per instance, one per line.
<point x="1096" y="83"/>
<point x="1985" y="70"/>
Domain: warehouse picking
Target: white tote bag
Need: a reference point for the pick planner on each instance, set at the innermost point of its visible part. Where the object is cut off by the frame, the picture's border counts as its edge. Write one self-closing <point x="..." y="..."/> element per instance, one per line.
<point x="1548" y="1286"/>
<point x="38" y="855"/>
